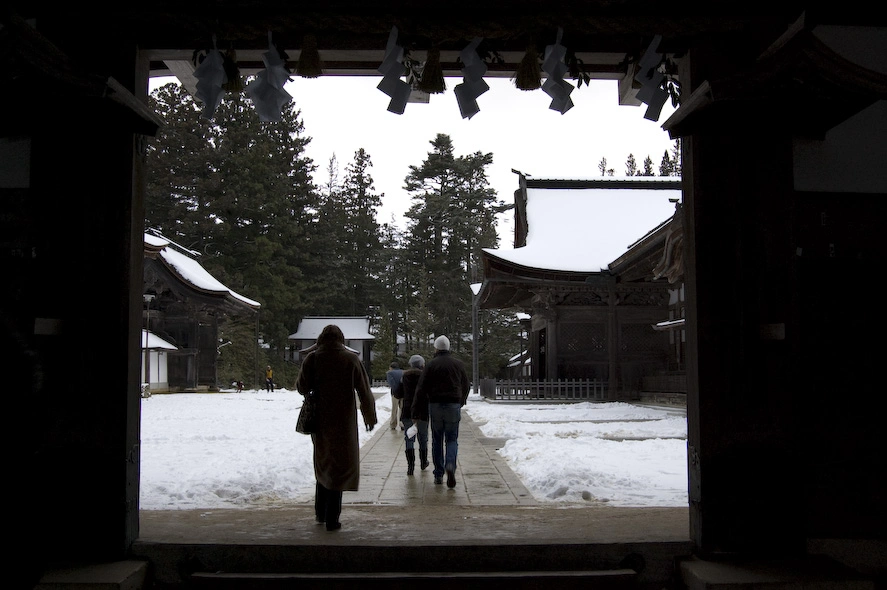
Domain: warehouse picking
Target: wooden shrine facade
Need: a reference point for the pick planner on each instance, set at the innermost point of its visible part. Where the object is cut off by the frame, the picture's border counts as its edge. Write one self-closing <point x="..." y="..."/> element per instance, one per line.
<point x="617" y="325"/>
<point x="183" y="304"/>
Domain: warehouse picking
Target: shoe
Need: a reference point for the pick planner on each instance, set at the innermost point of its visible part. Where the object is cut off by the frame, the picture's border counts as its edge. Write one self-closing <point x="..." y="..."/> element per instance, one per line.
<point x="423" y="457"/>
<point x="438" y="480"/>
<point x="451" y="478"/>
<point x="411" y="460"/>
<point x="333" y="526"/>
<point x="319" y="520"/>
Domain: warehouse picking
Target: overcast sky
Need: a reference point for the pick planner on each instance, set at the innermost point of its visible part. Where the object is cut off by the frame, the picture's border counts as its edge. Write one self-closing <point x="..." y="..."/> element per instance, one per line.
<point x="342" y="114"/>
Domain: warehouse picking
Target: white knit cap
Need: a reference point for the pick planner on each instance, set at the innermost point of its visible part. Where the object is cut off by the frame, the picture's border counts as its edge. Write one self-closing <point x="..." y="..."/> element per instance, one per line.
<point x="442" y="343"/>
<point x="416" y="361"/>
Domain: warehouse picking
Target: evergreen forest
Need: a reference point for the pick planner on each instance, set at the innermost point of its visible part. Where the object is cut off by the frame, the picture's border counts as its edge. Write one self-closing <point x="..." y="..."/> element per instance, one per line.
<point x="304" y="239"/>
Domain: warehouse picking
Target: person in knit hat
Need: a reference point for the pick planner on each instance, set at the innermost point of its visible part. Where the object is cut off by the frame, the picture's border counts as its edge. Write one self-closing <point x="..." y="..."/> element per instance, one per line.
<point x="419" y="424"/>
<point x="443" y="388"/>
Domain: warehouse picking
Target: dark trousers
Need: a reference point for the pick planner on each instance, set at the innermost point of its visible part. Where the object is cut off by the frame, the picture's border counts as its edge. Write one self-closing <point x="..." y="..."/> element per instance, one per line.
<point x="327" y="504"/>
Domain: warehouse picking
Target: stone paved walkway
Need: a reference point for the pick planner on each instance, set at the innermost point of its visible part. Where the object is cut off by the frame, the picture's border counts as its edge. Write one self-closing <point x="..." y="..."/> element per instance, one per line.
<point x="483" y="477"/>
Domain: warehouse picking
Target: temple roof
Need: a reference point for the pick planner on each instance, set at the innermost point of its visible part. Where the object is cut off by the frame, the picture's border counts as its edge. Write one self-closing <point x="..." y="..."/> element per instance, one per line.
<point x="353" y="327"/>
<point x="583" y="226"/>
<point x="183" y="266"/>
<point x="579" y="233"/>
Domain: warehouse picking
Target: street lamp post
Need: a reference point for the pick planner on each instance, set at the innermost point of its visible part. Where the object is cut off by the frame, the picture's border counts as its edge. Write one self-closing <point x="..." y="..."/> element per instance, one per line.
<point x="148" y="298"/>
<point x="475" y="289"/>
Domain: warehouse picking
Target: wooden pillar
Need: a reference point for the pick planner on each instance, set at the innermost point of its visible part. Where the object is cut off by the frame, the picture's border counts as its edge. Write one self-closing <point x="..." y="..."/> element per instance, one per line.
<point x="612" y="343"/>
<point x="84" y="305"/>
<point x="551" y="352"/>
<point x="535" y="354"/>
<point x="743" y="489"/>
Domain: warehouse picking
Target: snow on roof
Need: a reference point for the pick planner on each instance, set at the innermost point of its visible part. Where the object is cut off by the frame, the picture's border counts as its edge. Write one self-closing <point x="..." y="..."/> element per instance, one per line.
<point x="521" y="358"/>
<point x="313" y="347"/>
<point x="354" y="328"/>
<point x="585" y="229"/>
<point x="156" y="241"/>
<point x="669" y="324"/>
<point x="155" y="342"/>
<point x="192" y="272"/>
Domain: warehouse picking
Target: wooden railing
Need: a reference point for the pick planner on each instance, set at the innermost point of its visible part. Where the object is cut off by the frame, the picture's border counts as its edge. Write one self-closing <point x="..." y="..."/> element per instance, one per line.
<point x="561" y="390"/>
<point x="671" y="382"/>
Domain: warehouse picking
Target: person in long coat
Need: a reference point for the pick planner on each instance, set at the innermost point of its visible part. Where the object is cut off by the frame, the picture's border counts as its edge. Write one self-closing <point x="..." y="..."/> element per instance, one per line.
<point x="335" y="374"/>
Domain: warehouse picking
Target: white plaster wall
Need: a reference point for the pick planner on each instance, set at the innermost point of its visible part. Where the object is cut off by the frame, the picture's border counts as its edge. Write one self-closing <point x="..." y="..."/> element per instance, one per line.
<point x="158" y="379"/>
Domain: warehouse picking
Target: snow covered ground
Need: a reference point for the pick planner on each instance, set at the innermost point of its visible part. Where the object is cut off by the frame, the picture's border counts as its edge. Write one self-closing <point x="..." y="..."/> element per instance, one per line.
<point x="239" y="450"/>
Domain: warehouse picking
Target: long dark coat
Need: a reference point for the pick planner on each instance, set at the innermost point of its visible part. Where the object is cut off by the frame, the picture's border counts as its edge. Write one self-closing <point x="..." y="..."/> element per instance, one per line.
<point x="335" y="374"/>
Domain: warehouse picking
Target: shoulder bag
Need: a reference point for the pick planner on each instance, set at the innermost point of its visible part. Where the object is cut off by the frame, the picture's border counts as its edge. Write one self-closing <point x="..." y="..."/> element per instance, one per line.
<point x="307" y="421"/>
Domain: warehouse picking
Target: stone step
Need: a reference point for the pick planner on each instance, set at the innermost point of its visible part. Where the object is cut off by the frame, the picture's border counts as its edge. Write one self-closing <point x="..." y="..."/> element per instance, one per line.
<point x="116" y="575"/>
<point x="812" y="572"/>
<point x="621" y="579"/>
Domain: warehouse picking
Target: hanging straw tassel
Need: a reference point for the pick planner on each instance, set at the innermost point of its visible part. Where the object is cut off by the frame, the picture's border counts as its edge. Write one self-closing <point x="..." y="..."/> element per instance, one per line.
<point x="234" y="83"/>
<point x="529" y="73"/>
<point x="309" y="65"/>
<point x="432" y="80"/>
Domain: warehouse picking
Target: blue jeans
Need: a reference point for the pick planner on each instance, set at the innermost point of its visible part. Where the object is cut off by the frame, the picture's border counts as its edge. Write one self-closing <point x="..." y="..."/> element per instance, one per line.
<point x="444" y="429"/>
<point x="422" y="434"/>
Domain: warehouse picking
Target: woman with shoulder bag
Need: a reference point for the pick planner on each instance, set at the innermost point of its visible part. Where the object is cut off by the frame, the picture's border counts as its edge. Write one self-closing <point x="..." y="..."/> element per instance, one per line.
<point x="333" y="375"/>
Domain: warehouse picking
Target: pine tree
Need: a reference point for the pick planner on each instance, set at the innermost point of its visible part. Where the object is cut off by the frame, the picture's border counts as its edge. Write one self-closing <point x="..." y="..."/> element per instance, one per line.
<point x="240" y="191"/>
<point x="648" y="167"/>
<point x="671" y="162"/>
<point x="239" y="358"/>
<point x="327" y="243"/>
<point x="395" y="275"/>
<point x="602" y="166"/>
<point x="631" y="166"/>
<point x="384" y="348"/>
<point x="420" y="320"/>
<point x="433" y="186"/>
<point x="451" y="219"/>
<point x="498" y="341"/>
<point x="665" y="166"/>
<point x="676" y="158"/>
<point x="359" y="245"/>
<point x="174" y="181"/>
<point x="331" y="188"/>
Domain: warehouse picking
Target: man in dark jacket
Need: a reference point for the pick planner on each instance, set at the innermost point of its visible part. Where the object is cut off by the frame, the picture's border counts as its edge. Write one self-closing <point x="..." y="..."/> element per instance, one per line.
<point x="444" y="387"/>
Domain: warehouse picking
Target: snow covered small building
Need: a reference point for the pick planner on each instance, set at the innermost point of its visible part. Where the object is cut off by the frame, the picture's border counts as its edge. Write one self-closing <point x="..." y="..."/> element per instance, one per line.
<point x="589" y="265"/>
<point x="183" y="304"/>
<point x="155" y="371"/>
<point x="356" y="330"/>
